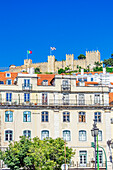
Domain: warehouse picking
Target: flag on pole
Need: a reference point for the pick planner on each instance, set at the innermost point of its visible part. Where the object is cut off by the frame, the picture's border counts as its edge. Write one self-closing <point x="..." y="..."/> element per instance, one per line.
<point x="29" y="52"/>
<point x="52" y="48"/>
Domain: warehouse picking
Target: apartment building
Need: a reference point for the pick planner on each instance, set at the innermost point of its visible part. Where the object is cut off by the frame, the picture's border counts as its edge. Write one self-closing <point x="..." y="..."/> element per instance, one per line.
<point x="56" y="106"/>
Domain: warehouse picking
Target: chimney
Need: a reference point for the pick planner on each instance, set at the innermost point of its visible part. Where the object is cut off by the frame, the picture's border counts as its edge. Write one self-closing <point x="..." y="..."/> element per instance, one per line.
<point x="82" y="72"/>
<point x="104" y="70"/>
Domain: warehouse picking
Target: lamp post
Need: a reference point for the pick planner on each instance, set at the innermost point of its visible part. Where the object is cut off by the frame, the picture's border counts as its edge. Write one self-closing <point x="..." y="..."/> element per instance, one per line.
<point x="94" y="133"/>
<point x="110" y="144"/>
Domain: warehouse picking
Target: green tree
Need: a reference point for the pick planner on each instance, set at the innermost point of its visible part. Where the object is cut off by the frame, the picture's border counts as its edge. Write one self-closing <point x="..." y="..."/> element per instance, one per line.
<point x="81" y="56"/>
<point x="37" y="154"/>
<point x="108" y="62"/>
<point x="37" y="70"/>
<point x="61" y="70"/>
<point x="97" y="64"/>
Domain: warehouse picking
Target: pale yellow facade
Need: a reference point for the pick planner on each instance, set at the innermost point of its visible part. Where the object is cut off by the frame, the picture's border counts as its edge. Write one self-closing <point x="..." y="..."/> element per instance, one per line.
<point x="58" y="98"/>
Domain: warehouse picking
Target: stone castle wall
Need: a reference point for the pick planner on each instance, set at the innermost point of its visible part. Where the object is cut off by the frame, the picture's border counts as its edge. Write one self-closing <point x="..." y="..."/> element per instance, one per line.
<point x="53" y="66"/>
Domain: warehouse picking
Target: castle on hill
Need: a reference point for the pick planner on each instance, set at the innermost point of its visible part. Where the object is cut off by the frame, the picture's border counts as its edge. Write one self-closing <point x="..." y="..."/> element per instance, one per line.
<point x="52" y="65"/>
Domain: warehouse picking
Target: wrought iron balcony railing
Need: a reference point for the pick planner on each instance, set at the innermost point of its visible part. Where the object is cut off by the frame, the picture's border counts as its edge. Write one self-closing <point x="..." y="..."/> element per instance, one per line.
<point x="52" y="102"/>
<point x="27" y="87"/>
<point x="65" y="87"/>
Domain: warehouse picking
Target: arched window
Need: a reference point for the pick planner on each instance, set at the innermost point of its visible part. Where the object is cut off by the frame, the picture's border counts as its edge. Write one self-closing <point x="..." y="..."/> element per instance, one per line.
<point x="27" y="116"/>
<point x="82" y="117"/>
<point x="67" y="135"/>
<point x="44" y="116"/>
<point x="99" y="135"/>
<point x="44" y="134"/>
<point x="27" y="133"/>
<point x="45" y="82"/>
<point x="8" y="116"/>
<point x="8" y="135"/>
<point x="82" y="135"/>
<point x="66" y="117"/>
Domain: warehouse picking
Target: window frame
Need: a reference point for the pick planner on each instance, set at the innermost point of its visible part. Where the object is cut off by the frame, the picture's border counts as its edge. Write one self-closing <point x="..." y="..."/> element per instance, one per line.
<point x="82" y="137"/>
<point x="8" y="81"/>
<point x="82" y="117"/>
<point x="44" y="116"/>
<point x="7" y="74"/>
<point x="27" y="133"/>
<point x="46" y="136"/>
<point x="97" y="119"/>
<point x="27" y="114"/>
<point x="44" y="82"/>
<point x="26" y="97"/>
<point x="9" y="113"/>
<point x="100" y="136"/>
<point x="11" y="133"/>
<point x="8" y="97"/>
<point x="65" y="116"/>
<point x="69" y="137"/>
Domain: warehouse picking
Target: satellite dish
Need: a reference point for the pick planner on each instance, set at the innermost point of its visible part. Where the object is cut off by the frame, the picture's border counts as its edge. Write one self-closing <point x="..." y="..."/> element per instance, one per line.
<point x="64" y="167"/>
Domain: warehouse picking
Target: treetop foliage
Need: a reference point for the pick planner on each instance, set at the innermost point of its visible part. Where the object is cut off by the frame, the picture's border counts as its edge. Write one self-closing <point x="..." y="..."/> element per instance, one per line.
<point x="36" y="154"/>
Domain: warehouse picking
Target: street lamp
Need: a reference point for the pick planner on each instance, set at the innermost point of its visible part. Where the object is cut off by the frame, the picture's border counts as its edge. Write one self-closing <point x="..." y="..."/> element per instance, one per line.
<point x="94" y="133"/>
<point x="110" y="143"/>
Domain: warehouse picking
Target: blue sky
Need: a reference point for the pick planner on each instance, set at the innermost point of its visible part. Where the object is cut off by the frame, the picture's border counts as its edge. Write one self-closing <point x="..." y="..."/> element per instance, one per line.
<point x="72" y="26"/>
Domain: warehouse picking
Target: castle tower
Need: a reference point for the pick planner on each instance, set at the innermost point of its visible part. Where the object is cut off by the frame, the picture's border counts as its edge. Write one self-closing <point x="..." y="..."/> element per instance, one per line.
<point x="70" y="61"/>
<point x="51" y="63"/>
<point x="27" y="62"/>
<point x="92" y="57"/>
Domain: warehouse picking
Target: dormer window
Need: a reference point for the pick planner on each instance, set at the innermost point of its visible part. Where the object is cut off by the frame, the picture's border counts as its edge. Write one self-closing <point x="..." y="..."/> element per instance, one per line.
<point x="8" y="74"/>
<point x="8" y="81"/>
<point x="45" y="82"/>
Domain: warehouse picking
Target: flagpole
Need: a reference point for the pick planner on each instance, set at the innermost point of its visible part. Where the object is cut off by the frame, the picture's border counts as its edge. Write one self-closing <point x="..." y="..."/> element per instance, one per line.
<point x="50" y="50"/>
<point x="27" y="55"/>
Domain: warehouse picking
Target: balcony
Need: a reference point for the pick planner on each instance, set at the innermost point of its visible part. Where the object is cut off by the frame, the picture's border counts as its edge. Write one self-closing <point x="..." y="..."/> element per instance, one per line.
<point x="65" y="88"/>
<point x="27" y="87"/>
<point x="53" y="103"/>
<point x="89" y="166"/>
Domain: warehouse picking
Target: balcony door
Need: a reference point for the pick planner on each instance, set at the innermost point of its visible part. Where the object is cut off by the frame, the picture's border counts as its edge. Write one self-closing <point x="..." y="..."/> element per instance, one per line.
<point x="26" y="82"/>
<point x="83" y="158"/>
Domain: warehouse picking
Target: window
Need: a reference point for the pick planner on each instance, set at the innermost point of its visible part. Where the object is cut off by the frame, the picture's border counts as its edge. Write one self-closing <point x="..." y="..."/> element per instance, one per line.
<point x="26" y="82"/>
<point x="82" y="135"/>
<point x="44" y="98"/>
<point x="27" y="116"/>
<point x="81" y="99"/>
<point x="27" y="133"/>
<point x="44" y="116"/>
<point x="97" y="99"/>
<point x="1" y="82"/>
<point x="44" y="134"/>
<point x="66" y="135"/>
<point x="99" y="135"/>
<point x="83" y="158"/>
<point x="45" y="82"/>
<point x="8" y="116"/>
<point x="91" y="79"/>
<point x="82" y="117"/>
<point x="66" y="117"/>
<point x="8" y="135"/>
<point x="65" y="85"/>
<point x="8" y="97"/>
<point x="97" y="116"/>
<point x="8" y="81"/>
<point x="65" y="98"/>
<point x="100" y="158"/>
<point x="26" y="97"/>
<point x="8" y="75"/>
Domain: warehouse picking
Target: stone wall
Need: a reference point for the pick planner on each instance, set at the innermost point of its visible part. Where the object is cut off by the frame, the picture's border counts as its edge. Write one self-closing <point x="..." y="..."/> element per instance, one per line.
<point x="53" y="66"/>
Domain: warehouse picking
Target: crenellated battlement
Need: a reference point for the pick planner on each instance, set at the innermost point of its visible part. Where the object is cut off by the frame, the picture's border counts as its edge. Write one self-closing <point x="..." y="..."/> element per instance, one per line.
<point x="52" y="66"/>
